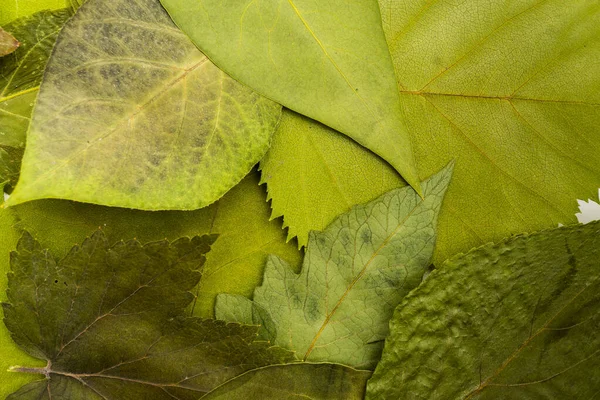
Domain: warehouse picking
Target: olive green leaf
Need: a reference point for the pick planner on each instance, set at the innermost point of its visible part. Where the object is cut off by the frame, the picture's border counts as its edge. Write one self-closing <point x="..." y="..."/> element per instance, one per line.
<point x="8" y="43"/>
<point x="10" y="164"/>
<point x="304" y="380"/>
<point x="516" y="320"/>
<point x="234" y="265"/>
<point x="131" y="114"/>
<point x="109" y="321"/>
<point x="327" y="60"/>
<point x="313" y="174"/>
<point x="11" y="353"/>
<point x="511" y="90"/>
<point x="75" y="4"/>
<point x="21" y="71"/>
<point x="13" y="9"/>
<point x="354" y="274"/>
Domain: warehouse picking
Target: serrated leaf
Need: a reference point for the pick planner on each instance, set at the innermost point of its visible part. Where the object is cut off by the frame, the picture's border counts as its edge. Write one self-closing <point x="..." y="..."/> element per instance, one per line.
<point x="326" y="60"/>
<point x="354" y="274"/>
<point x="108" y="320"/>
<point x="8" y="43"/>
<point x="125" y="84"/>
<point x="11" y="353"/>
<point x="21" y="72"/>
<point x="515" y="320"/>
<point x="310" y="381"/>
<point x="313" y="174"/>
<point x="13" y="9"/>
<point x="235" y="263"/>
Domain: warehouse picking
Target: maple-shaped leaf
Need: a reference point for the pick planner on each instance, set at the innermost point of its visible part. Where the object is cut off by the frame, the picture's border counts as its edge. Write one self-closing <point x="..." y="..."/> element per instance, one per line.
<point x="8" y="43"/>
<point x="354" y="274"/>
<point x="515" y="320"/>
<point x="108" y="319"/>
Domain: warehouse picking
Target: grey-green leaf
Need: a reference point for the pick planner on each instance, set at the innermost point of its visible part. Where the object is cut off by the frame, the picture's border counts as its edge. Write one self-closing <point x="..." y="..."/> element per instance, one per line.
<point x="21" y="71"/>
<point x="131" y="114"/>
<point x="515" y="320"/>
<point x="354" y="274"/>
<point x="302" y="381"/>
<point x="328" y="60"/>
<point x="108" y="319"/>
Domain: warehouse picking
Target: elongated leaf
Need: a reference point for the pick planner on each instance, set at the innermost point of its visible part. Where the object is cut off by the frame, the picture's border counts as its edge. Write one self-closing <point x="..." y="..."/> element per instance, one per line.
<point x="13" y="9"/>
<point x="354" y="274"/>
<point x="11" y="353"/>
<point x="8" y="43"/>
<point x="234" y="265"/>
<point x="131" y="114"/>
<point x="516" y="320"/>
<point x="313" y="174"/>
<point x="108" y="320"/>
<point x="21" y="72"/>
<point x="511" y="90"/>
<point x="324" y="59"/>
<point x="310" y="381"/>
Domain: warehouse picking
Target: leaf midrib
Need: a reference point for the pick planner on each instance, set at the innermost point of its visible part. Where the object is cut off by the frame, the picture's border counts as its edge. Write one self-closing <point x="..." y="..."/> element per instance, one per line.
<point x="509" y="98"/>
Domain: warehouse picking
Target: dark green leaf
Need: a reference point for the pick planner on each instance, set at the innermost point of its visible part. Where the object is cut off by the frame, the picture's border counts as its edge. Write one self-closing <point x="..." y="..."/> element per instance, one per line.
<point x="109" y="321"/>
<point x="302" y="381"/>
<point x="354" y="274"/>
<point x="516" y="320"/>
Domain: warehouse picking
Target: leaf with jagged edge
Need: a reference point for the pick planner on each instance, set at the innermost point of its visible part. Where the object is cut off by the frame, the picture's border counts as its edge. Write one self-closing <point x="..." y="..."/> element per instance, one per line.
<point x="11" y="353"/>
<point x="13" y="9"/>
<point x="515" y="320"/>
<point x="511" y="90"/>
<point x="109" y="320"/>
<point x="327" y="60"/>
<point x="125" y="84"/>
<point x="303" y="380"/>
<point x="234" y="265"/>
<point x="588" y="210"/>
<point x="354" y="273"/>
<point x="313" y="174"/>
<point x="8" y="43"/>
<point x="21" y="71"/>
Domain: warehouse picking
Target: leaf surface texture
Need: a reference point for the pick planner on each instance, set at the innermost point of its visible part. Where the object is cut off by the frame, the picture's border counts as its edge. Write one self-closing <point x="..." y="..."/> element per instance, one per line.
<point x="514" y="320"/>
<point x="354" y="273"/>
<point x="8" y="43"/>
<point x="125" y="84"/>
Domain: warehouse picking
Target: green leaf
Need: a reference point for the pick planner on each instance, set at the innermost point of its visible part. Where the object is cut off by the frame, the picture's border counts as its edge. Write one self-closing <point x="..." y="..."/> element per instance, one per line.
<point x="313" y="174"/>
<point x="234" y="265"/>
<point x="11" y="353"/>
<point x="326" y="60"/>
<point x="131" y="114"/>
<point x="21" y="72"/>
<point x="75" y="4"/>
<point x="511" y="90"/>
<point x="310" y="381"/>
<point x="108" y="320"/>
<point x="13" y="9"/>
<point x="8" y="43"/>
<point x="516" y="320"/>
<point x="354" y="274"/>
<point x="10" y="164"/>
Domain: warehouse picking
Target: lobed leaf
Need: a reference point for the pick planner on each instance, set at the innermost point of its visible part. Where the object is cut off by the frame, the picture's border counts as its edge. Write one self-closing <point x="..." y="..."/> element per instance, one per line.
<point x="354" y="273"/>
<point x="125" y="84"/>
<point x="304" y="380"/>
<point x="108" y="320"/>
<point x="326" y="60"/>
<point x="514" y="320"/>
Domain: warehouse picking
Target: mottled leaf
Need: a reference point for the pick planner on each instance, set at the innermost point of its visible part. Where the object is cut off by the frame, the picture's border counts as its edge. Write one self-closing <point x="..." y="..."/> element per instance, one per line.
<point x="124" y="84"/>
<point x="306" y="381"/>
<point x="327" y="60"/>
<point x="21" y="72"/>
<point x="13" y="9"/>
<point x="8" y="43"/>
<point x="516" y="320"/>
<point x="511" y="90"/>
<point x="11" y="353"/>
<point x="234" y="265"/>
<point x="109" y="321"/>
<point x="313" y="174"/>
<point x="354" y="274"/>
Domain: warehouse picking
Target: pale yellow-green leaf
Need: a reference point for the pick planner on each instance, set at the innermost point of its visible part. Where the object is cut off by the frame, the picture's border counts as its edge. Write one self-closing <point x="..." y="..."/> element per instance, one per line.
<point x="13" y="9"/>
<point x="131" y="114"/>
